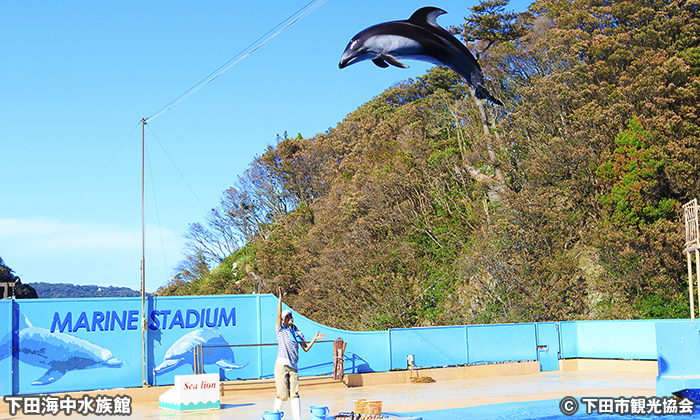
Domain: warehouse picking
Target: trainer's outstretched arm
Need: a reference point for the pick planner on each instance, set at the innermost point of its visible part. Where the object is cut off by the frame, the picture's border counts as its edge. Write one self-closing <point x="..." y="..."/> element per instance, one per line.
<point x="278" y="323"/>
<point x="307" y="346"/>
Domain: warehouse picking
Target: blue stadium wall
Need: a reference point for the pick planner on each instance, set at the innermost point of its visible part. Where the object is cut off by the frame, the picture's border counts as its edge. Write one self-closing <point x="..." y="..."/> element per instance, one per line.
<point x="63" y="345"/>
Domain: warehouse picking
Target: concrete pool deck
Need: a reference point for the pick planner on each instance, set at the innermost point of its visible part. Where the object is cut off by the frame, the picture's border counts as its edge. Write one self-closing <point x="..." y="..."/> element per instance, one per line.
<point x="453" y="388"/>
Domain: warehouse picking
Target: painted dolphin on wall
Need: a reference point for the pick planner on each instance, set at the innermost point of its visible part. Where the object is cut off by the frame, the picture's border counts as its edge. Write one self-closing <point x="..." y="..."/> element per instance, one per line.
<point x="181" y="353"/>
<point x="418" y="38"/>
<point x="5" y="346"/>
<point x="58" y="352"/>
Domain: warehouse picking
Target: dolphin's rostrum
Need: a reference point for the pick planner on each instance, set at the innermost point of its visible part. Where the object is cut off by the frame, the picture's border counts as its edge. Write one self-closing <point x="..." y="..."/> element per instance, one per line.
<point x="418" y="38"/>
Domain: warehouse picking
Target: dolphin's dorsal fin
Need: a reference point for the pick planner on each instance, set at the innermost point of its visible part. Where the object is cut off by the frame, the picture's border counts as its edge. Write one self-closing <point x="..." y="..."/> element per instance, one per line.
<point x="427" y="15"/>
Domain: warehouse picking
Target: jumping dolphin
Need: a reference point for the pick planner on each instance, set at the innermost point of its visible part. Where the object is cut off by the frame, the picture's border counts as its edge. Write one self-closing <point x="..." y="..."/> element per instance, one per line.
<point x="182" y="351"/>
<point x="58" y="352"/>
<point x="418" y="38"/>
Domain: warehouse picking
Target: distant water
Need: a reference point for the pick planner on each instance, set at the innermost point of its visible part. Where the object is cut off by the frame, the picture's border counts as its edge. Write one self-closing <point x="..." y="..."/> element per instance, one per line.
<point x="528" y="410"/>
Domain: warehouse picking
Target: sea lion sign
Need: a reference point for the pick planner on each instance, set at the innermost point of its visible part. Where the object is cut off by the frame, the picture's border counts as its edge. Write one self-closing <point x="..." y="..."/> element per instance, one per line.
<point x="418" y="38"/>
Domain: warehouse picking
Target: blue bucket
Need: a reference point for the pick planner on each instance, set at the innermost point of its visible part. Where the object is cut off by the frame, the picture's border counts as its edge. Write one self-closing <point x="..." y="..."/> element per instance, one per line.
<point x="318" y="412"/>
<point x="272" y="415"/>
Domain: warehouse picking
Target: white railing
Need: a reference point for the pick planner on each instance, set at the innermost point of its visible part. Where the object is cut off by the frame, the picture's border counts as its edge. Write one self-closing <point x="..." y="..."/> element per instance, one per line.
<point x="691" y="223"/>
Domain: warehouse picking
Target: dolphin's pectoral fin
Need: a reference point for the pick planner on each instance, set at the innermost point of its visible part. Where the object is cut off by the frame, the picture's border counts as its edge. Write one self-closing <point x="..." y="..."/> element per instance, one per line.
<point x="380" y="62"/>
<point x="51" y="376"/>
<point x="229" y="366"/>
<point x="391" y="60"/>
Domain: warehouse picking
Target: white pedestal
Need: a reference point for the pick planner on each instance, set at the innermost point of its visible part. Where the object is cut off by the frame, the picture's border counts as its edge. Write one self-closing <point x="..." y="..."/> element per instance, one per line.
<point x="192" y="393"/>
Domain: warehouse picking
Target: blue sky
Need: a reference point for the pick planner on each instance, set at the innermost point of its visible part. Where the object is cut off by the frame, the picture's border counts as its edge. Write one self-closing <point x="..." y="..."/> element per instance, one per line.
<point x="77" y="77"/>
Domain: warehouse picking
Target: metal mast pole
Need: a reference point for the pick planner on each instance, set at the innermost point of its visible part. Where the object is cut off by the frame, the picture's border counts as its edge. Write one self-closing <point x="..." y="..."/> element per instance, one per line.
<point x="143" y="249"/>
<point x="692" y="244"/>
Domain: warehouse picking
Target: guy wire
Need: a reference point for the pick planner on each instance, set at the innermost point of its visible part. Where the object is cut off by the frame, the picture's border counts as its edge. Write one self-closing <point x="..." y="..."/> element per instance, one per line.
<point x="230" y="63"/>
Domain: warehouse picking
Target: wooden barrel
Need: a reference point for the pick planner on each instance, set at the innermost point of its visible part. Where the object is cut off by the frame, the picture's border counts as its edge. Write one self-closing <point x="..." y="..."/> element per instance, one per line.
<point x="368" y="407"/>
<point x="338" y="359"/>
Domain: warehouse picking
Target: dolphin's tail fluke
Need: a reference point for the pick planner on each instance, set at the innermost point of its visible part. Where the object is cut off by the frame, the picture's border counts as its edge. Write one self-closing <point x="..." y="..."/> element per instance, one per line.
<point x="24" y="321"/>
<point x="5" y="346"/>
<point x="482" y="93"/>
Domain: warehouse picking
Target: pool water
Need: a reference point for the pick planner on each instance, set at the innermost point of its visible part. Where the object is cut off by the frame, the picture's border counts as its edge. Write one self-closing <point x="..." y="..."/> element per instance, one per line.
<point x="539" y="410"/>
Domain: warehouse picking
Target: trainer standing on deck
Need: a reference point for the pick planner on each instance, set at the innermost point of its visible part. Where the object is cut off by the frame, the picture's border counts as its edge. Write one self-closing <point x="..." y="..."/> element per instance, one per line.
<point x="286" y="376"/>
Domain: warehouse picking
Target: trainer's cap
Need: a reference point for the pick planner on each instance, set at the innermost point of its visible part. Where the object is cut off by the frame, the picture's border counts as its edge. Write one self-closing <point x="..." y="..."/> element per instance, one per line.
<point x="285" y="313"/>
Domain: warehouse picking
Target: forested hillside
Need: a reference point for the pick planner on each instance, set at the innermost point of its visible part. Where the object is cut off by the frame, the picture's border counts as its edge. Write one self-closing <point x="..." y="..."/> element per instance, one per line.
<point x="427" y="206"/>
<point x="65" y="290"/>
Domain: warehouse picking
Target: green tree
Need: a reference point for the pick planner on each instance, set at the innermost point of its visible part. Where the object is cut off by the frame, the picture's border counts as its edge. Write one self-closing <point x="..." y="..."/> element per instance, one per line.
<point x="634" y="180"/>
<point x="490" y="23"/>
<point x="21" y="291"/>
